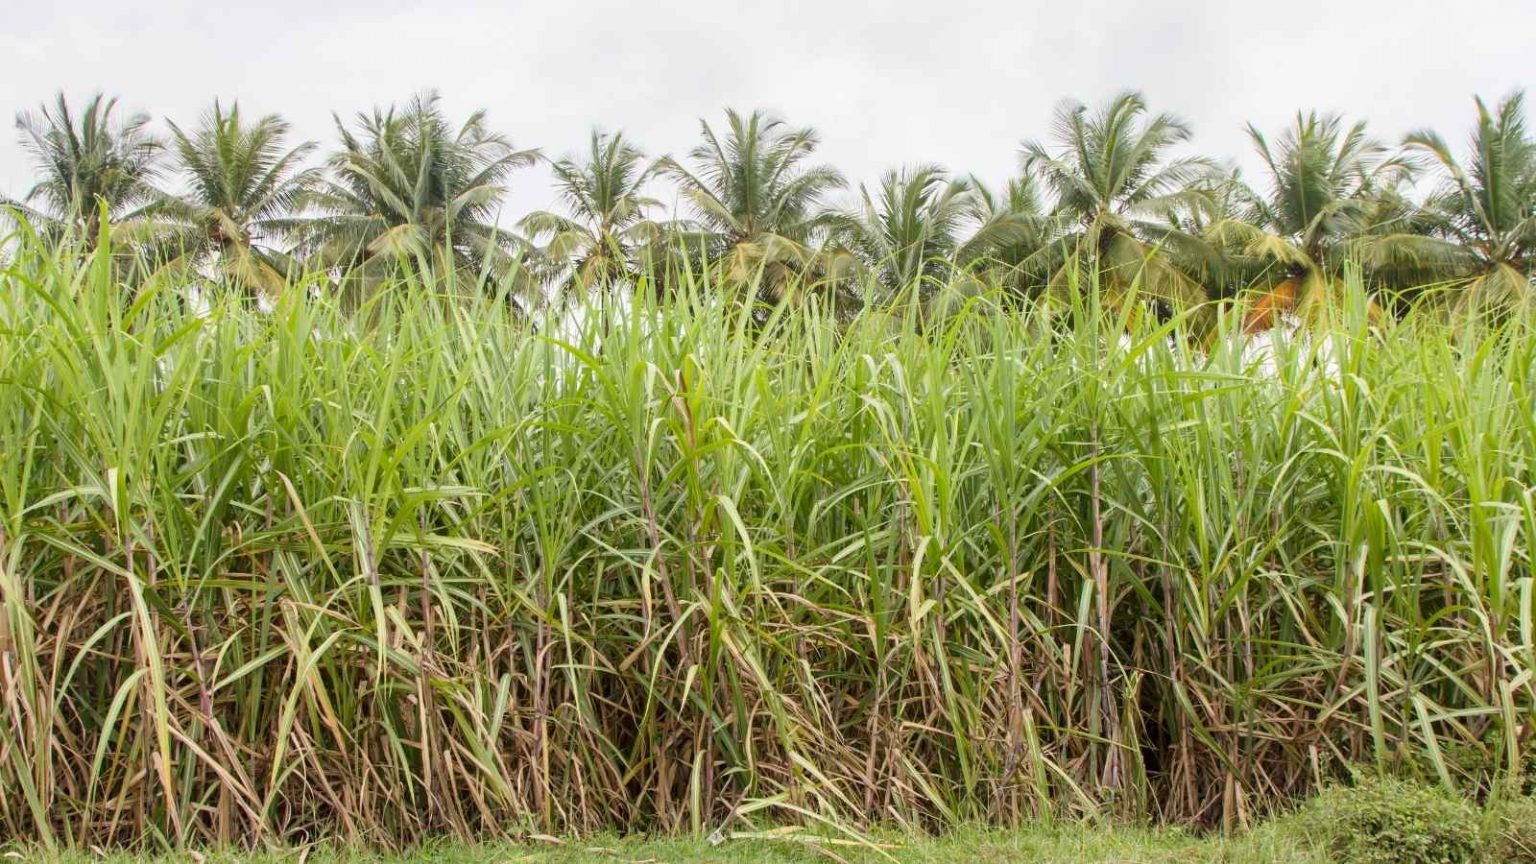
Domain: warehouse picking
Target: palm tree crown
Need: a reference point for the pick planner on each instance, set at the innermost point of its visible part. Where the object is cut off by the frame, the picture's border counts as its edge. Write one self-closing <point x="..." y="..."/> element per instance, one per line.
<point x="754" y="196"/>
<point x="1112" y="174"/>
<point x="408" y="185"/>
<point x="1114" y="163"/>
<point x="1018" y="238"/>
<point x="908" y="227"/>
<point x="595" y="245"/>
<point x="1487" y="205"/>
<point x="1327" y="186"/>
<point x="87" y="160"/>
<point x="243" y="184"/>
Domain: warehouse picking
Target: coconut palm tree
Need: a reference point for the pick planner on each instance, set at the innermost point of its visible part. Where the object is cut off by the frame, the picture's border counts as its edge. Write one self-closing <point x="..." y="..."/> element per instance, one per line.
<point x="1113" y="178"/>
<point x="595" y="245"/>
<point x="90" y="162"/>
<point x="756" y="200"/>
<point x="1332" y="195"/>
<point x="919" y="225"/>
<point x="905" y="233"/>
<point x="1018" y="240"/>
<point x="1222" y="196"/>
<point x="1486" y="205"/>
<point x="243" y="185"/>
<point x="1323" y="182"/>
<point x="407" y="185"/>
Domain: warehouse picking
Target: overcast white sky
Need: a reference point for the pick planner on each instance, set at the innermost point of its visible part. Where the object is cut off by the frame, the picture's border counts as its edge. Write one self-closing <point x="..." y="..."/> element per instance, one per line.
<point x="959" y="82"/>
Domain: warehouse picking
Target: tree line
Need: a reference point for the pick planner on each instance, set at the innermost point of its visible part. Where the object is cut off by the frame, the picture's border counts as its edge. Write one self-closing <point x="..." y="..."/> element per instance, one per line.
<point x="235" y="201"/>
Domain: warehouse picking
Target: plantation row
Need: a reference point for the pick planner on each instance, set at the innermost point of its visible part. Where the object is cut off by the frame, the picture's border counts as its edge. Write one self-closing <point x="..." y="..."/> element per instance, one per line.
<point x="233" y="202"/>
<point x="409" y="568"/>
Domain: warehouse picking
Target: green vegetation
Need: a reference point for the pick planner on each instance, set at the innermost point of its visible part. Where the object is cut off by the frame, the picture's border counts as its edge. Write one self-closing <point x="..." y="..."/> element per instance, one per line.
<point x="232" y="203"/>
<point x="1392" y="822"/>
<point x="1065" y="844"/>
<point x="1510" y="832"/>
<point x="430" y="566"/>
<point x="1388" y="821"/>
<point x="1124" y="494"/>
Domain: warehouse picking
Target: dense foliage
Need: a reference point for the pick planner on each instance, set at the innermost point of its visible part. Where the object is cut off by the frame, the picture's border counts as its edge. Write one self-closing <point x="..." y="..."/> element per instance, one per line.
<point x="1105" y="194"/>
<point x="333" y="500"/>
<point x="430" y="564"/>
<point x="1392" y="822"/>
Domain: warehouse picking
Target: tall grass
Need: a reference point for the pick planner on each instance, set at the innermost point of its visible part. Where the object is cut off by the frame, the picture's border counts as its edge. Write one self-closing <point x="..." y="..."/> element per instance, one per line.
<point x="423" y="567"/>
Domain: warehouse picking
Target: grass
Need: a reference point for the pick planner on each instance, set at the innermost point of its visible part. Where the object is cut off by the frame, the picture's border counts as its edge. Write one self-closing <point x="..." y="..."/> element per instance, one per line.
<point x="415" y="569"/>
<point x="1063" y="844"/>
